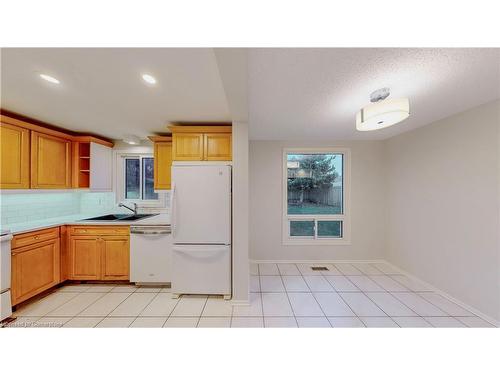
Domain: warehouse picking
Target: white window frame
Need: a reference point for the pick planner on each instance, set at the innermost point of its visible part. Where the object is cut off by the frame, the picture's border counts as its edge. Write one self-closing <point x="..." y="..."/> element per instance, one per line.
<point x="346" y="192"/>
<point x="120" y="182"/>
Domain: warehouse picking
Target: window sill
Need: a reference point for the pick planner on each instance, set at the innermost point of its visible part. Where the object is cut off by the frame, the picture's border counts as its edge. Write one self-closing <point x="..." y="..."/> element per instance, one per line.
<point x="332" y="242"/>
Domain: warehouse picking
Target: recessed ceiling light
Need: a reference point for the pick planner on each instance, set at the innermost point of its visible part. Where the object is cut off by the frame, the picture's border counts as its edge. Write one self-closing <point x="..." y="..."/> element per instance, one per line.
<point x="149" y="79"/>
<point x="131" y="139"/>
<point x="49" y="78"/>
<point x="382" y="113"/>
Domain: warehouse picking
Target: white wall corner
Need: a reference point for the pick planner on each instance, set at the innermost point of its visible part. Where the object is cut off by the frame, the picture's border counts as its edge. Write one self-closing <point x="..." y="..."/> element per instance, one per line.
<point x="240" y="212"/>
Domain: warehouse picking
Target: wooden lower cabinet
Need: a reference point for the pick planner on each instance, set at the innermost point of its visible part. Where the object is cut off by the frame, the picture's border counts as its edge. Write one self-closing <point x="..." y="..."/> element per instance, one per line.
<point x="104" y="256"/>
<point x="85" y="260"/>
<point x="44" y="258"/>
<point x="35" y="268"/>
<point x="115" y="258"/>
<point x="64" y="258"/>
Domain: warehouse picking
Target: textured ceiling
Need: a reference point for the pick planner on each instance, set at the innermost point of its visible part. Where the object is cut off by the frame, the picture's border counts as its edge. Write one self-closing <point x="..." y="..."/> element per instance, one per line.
<point x="290" y="93"/>
<point x="102" y="91"/>
<point x="315" y="93"/>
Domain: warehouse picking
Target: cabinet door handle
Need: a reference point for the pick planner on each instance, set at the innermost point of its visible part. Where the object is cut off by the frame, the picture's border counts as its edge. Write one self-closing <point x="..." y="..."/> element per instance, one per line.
<point x="36" y="237"/>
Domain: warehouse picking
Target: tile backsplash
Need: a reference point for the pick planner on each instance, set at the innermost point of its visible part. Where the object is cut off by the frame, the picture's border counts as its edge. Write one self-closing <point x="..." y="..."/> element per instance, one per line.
<point x="25" y="207"/>
<point x="18" y="208"/>
<point x="97" y="202"/>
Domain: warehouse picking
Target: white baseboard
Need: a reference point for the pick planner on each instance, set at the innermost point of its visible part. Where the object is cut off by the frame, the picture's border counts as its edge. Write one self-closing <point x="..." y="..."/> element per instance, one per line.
<point x="319" y="261"/>
<point x="431" y="287"/>
<point x="240" y="302"/>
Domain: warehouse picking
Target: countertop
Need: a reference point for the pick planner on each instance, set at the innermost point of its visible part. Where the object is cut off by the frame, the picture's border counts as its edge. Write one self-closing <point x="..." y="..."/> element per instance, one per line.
<point x="161" y="219"/>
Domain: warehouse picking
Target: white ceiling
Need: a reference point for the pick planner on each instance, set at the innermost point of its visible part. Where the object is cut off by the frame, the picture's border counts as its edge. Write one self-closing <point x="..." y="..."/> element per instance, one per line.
<point x="290" y="94"/>
<point x="315" y="93"/>
<point x="102" y="91"/>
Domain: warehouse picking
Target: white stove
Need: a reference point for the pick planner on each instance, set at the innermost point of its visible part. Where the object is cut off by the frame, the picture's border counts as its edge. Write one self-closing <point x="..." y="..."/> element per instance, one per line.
<point x="5" y="255"/>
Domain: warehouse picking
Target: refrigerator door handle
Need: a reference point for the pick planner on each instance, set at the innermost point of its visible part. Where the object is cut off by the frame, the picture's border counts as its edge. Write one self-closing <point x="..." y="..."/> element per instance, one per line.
<point x="200" y="255"/>
<point x="172" y="210"/>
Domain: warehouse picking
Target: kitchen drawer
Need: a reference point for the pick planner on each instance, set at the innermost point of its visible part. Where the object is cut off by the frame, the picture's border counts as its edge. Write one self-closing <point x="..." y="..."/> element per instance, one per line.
<point x="102" y="230"/>
<point x="30" y="238"/>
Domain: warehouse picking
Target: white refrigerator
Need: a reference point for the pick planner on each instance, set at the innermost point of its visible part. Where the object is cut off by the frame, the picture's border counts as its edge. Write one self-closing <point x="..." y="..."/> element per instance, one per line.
<point x="201" y="229"/>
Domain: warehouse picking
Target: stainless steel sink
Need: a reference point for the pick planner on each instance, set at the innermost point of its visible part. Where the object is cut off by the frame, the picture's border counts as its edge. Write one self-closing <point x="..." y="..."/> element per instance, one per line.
<point x="119" y="217"/>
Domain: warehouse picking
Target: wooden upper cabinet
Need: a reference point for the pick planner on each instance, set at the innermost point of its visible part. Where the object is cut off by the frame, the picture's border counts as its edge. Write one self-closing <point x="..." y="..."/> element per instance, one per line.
<point x="201" y="142"/>
<point x="217" y="146"/>
<point x="162" y="165"/>
<point x="37" y="156"/>
<point x="15" y="157"/>
<point x="50" y="162"/>
<point x="187" y="146"/>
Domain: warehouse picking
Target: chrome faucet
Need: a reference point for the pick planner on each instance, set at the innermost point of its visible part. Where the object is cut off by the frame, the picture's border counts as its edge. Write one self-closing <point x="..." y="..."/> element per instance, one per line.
<point x="134" y="210"/>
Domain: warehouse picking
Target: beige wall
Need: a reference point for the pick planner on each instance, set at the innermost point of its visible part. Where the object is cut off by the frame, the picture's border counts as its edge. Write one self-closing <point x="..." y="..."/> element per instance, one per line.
<point x="428" y="201"/>
<point x="367" y="204"/>
<point x="443" y="205"/>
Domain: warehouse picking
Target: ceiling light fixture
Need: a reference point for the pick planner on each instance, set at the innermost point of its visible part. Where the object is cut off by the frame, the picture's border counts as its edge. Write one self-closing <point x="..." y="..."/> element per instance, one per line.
<point x="148" y="78"/>
<point x="49" y="78"/>
<point x="382" y="113"/>
<point x="131" y="139"/>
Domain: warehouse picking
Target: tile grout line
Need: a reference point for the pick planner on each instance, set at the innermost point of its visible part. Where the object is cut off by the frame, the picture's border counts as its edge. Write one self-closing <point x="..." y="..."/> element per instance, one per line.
<point x="260" y="296"/>
<point x="287" y="297"/>
<point x="391" y="295"/>
<point x="86" y="291"/>
<point x="321" y="308"/>
<point x="170" y="314"/>
<point x="55" y="308"/>
<point x="416" y="292"/>
<point x="144" y="308"/>
<point x="452" y="316"/>
<point x="105" y="294"/>
<point x="375" y="281"/>
<point x="71" y="299"/>
<point x="421" y="316"/>
<point x="342" y="298"/>
<point x="108" y="315"/>
<point x="286" y="291"/>
<point x="86" y="307"/>
<point x="376" y="304"/>
<point x="201" y="313"/>
<point x="380" y="307"/>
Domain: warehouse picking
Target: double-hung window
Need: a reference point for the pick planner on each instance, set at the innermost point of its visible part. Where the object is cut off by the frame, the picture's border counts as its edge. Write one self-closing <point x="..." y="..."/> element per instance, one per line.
<point x="316" y="196"/>
<point x="139" y="178"/>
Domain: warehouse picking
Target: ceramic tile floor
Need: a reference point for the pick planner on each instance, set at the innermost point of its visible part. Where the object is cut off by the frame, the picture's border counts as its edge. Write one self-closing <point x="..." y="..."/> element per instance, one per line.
<point x="282" y="295"/>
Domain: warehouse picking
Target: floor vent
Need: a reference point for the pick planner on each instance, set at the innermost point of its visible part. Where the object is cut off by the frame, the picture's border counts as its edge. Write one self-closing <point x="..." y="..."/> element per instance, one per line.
<point x="319" y="268"/>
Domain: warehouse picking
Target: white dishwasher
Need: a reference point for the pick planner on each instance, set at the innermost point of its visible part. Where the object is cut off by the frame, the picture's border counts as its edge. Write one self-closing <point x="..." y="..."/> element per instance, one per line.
<point x="150" y="254"/>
